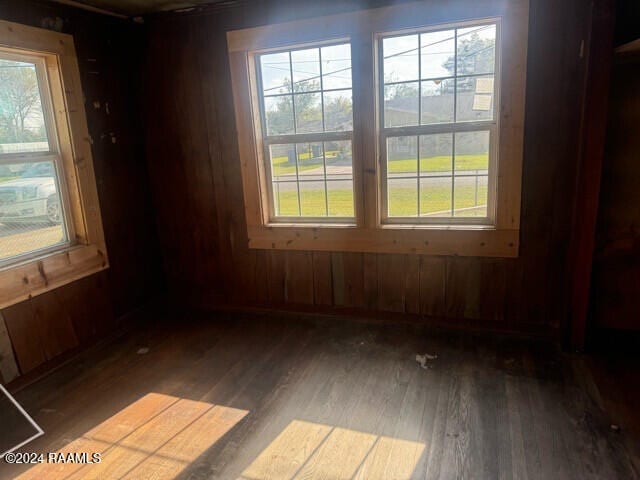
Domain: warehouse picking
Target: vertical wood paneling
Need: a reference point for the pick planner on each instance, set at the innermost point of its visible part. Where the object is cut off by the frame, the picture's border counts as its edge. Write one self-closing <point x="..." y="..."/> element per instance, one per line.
<point x="322" y="279"/>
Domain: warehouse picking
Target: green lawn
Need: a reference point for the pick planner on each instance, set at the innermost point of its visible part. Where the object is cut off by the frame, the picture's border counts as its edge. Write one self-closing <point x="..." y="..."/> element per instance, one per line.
<point x="440" y="163"/>
<point x="403" y="201"/>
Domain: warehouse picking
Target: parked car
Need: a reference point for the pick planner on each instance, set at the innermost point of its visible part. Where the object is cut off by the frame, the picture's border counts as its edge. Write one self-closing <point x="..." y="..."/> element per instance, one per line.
<point x="32" y="197"/>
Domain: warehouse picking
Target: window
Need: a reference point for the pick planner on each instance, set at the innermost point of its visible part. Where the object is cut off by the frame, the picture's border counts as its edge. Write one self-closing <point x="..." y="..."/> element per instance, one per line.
<point x="32" y="202"/>
<point x="50" y="225"/>
<point x="438" y="124"/>
<point x="307" y="120"/>
<point x="386" y="130"/>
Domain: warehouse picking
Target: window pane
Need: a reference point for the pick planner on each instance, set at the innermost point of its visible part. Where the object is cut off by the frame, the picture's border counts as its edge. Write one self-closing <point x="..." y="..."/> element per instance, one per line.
<point x="306" y="70"/>
<point x="436" y="154"/>
<point x="311" y="174"/>
<point x="276" y="73"/>
<point x="339" y="178"/>
<point x="402" y="156"/>
<point x="402" y="197"/>
<point x="22" y="124"/>
<point x="401" y="105"/>
<point x="285" y="184"/>
<point x="279" y="115"/>
<point x="471" y="174"/>
<point x="437" y="101"/>
<point x="437" y="50"/>
<point x="476" y="50"/>
<point x="308" y="113"/>
<point x="338" y="111"/>
<point x="475" y="98"/>
<point x="31" y="216"/>
<point x="435" y="196"/>
<point x="400" y="58"/>
<point x="436" y="161"/>
<point x="336" y="66"/>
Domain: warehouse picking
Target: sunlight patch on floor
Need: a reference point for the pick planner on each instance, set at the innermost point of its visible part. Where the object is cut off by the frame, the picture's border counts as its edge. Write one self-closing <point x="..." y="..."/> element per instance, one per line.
<point x="306" y="450"/>
<point x="156" y="437"/>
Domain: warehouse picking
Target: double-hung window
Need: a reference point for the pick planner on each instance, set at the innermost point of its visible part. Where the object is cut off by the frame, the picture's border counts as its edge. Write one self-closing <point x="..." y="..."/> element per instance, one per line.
<point x="307" y="119"/>
<point x="438" y="126"/>
<point x="397" y="129"/>
<point x="50" y="223"/>
<point x="33" y="202"/>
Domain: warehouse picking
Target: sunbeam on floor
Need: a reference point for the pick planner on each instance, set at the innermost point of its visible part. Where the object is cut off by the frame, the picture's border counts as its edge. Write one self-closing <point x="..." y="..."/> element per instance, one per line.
<point x="158" y="436"/>
<point x="306" y="450"/>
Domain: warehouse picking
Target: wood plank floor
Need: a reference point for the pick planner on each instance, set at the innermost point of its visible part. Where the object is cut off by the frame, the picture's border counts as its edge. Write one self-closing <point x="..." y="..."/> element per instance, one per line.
<point x="257" y="397"/>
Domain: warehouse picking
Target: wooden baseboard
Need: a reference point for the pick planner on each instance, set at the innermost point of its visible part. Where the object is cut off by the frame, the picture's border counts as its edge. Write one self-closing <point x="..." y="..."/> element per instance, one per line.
<point x="524" y="330"/>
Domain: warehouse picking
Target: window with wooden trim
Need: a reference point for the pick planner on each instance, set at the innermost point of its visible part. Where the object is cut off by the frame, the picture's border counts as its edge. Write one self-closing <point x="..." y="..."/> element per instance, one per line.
<point x="424" y="129"/>
<point x="33" y="200"/>
<point x="438" y="124"/>
<point x="50" y="225"/>
<point x="307" y="124"/>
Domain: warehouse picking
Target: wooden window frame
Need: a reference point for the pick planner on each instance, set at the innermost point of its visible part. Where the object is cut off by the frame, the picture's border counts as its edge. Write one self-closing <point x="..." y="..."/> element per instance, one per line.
<point x="370" y="233"/>
<point x="85" y="252"/>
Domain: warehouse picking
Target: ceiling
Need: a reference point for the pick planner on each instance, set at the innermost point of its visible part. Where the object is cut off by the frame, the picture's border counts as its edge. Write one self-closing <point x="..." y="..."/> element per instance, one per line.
<point x="132" y="8"/>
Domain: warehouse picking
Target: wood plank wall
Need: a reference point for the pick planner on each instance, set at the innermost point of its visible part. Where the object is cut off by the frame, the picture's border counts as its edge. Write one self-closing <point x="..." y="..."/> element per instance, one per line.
<point x="616" y="275"/>
<point x="60" y="321"/>
<point x="192" y="154"/>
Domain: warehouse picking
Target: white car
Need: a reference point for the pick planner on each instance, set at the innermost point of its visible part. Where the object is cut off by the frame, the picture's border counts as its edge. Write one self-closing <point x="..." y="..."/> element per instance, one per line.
<point x="32" y="197"/>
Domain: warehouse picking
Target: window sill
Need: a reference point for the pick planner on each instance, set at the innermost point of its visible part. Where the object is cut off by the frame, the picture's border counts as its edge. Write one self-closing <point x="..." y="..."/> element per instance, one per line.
<point x="25" y="280"/>
<point x="474" y="240"/>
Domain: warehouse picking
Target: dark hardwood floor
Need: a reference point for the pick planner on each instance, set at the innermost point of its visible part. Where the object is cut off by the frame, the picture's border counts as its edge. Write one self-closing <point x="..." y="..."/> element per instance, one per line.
<point x="253" y="397"/>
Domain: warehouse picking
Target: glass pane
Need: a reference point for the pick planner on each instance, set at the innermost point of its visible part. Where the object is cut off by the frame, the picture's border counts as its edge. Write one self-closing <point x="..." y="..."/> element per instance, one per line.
<point x="437" y="101"/>
<point x="340" y="198"/>
<point x="308" y="113"/>
<point x="472" y="153"/>
<point x="338" y="111"/>
<point x="470" y="196"/>
<point x="437" y="50"/>
<point x="31" y="216"/>
<point x="276" y="73"/>
<point x="310" y="161"/>
<point x="475" y="98"/>
<point x="285" y="195"/>
<point x="401" y="105"/>
<point x="336" y="66"/>
<point x="402" y="156"/>
<point x="436" y="154"/>
<point x="285" y="185"/>
<point x="402" y="197"/>
<point x="279" y="115"/>
<point x="311" y="175"/>
<point x="400" y="62"/>
<point x="435" y="196"/>
<point x="476" y="50"/>
<point x="339" y="178"/>
<point x="283" y="161"/>
<point x="312" y="198"/>
<point x="306" y="70"/>
<point x="471" y="172"/>
<point x="22" y="124"/>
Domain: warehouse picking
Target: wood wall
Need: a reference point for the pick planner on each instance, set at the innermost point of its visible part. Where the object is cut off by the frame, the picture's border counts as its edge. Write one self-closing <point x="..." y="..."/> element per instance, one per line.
<point x="192" y="154"/>
<point x="616" y="276"/>
<point x="41" y="330"/>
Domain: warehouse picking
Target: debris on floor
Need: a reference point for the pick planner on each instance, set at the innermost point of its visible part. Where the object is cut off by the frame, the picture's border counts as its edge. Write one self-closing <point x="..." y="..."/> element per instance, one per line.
<point x="143" y="350"/>
<point x="615" y="427"/>
<point x="423" y="359"/>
